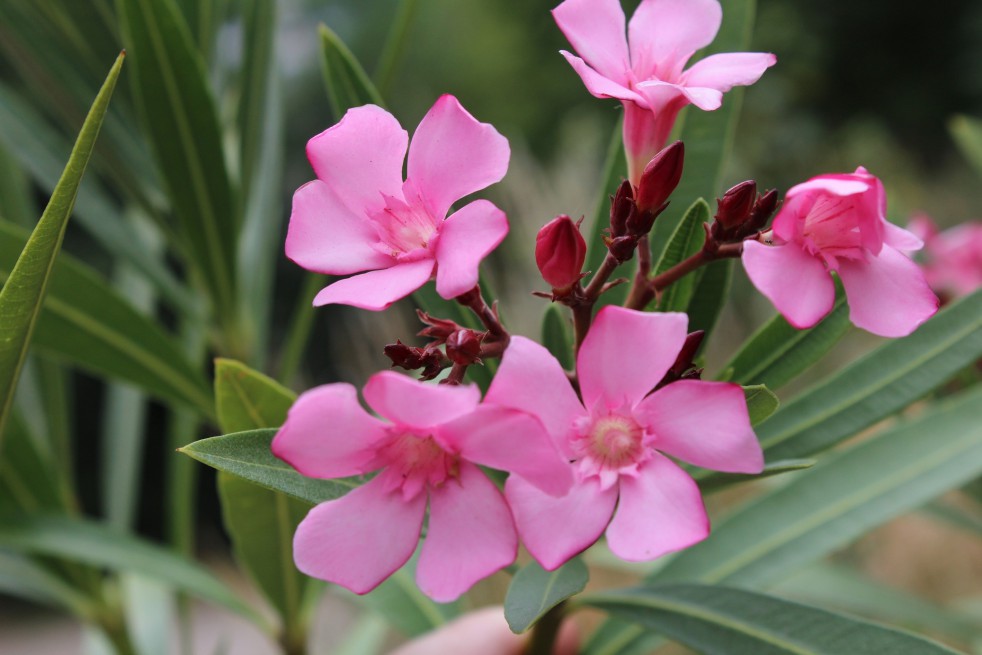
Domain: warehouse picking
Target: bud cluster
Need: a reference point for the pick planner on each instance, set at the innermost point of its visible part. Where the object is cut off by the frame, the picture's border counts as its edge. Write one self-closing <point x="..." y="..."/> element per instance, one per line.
<point x="742" y="213"/>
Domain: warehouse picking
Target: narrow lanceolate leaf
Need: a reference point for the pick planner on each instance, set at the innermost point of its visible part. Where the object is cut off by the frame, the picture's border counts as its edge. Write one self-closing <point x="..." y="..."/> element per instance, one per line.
<point x="722" y="621"/>
<point x="247" y="455"/>
<point x="614" y="172"/>
<point x="23" y="292"/>
<point x="405" y="607"/>
<point x="247" y="400"/>
<point x="778" y="352"/>
<point x="534" y="591"/>
<point x="878" y="385"/>
<point x="709" y="296"/>
<point x="967" y="133"/>
<point x="686" y="240"/>
<point x="29" y="480"/>
<point x="86" y="322"/>
<point x="761" y="403"/>
<point x="172" y="94"/>
<point x="557" y="335"/>
<point x="347" y="83"/>
<point x="709" y="482"/>
<point x="24" y="577"/>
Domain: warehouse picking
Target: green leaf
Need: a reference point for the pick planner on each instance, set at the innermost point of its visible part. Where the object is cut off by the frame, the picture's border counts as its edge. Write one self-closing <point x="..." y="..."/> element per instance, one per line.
<point x="247" y="400"/>
<point x="172" y="94"/>
<point x="247" y="455"/>
<point x="23" y="577"/>
<point x="761" y="403"/>
<point x="967" y="134"/>
<point x="29" y="480"/>
<point x="557" y="335"/>
<point x="711" y="292"/>
<point x="347" y="83"/>
<point x="722" y="621"/>
<point x="86" y="322"/>
<point x="395" y="45"/>
<point x="716" y="481"/>
<point x="614" y="172"/>
<point x="258" y="67"/>
<point x="405" y="607"/>
<point x="878" y="385"/>
<point x="534" y="591"/>
<point x="23" y="292"/>
<point x="686" y="240"/>
<point x="778" y="352"/>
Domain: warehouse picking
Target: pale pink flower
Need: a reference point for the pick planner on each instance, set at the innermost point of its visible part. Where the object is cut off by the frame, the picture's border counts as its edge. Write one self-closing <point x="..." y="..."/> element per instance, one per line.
<point x="426" y="455"/>
<point x="618" y="436"/>
<point x="837" y="223"/>
<point x="359" y="214"/>
<point x="953" y="258"/>
<point x="646" y="71"/>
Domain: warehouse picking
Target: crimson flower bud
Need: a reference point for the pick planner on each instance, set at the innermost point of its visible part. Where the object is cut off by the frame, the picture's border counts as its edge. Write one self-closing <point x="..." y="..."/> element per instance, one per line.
<point x="622" y="209"/>
<point x="436" y="328"/>
<point x="762" y="211"/>
<point x="660" y="177"/>
<point x="464" y="347"/>
<point x="560" y="252"/>
<point x="733" y="209"/>
<point x="684" y="368"/>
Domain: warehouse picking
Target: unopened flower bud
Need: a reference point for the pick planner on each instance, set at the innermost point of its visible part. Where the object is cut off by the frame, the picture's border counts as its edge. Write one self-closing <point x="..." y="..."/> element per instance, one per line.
<point x="560" y="252"/>
<point x="464" y="347"/>
<point x="733" y="209"/>
<point x="622" y="209"/>
<point x="660" y="177"/>
<point x="684" y="367"/>
<point x="432" y="361"/>
<point x="436" y="328"/>
<point x="762" y="211"/>
<point x="622" y="248"/>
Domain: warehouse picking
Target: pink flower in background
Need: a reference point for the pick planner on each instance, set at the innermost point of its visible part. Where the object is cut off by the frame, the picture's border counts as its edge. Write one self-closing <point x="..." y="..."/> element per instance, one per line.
<point x="359" y="214"/>
<point x="616" y="438"/>
<point x="646" y="70"/>
<point x="953" y="258"/>
<point x="427" y="454"/>
<point x="837" y="223"/>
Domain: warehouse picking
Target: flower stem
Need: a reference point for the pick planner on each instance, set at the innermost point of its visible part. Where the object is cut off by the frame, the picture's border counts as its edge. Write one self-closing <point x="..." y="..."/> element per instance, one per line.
<point x="582" y="303"/>
<point x="644" y="293"/>
<point x="545" y="631"/>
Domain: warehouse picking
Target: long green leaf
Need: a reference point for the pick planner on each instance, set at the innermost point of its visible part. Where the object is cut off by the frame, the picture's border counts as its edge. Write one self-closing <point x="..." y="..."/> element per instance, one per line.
<point x="761" y="403"/>
<point x="21" y="576"/>
<point x="248" y="400"/>
<point x="722" y="621"/>
<point x="557" y="335"/>
<point x="614" y="172"/>
<point x="686" y="240"/>
<point x="405" y="607"/>
<point x="29" y="481"/>
<point x="24" y="290"/>
<point x="534" y="591"/>
<point x="709" y="297"/>
<point x="967" y="133"/>
<point x="348" y="85"/>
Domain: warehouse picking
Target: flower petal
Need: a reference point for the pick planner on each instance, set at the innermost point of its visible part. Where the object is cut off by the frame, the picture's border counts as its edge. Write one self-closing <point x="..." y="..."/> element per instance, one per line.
<point x="531" y="379"/>
<point x="327" y="433"/>
<point x="325" y="237"/>
<point x="510" y="440"/>
<point x="600" y="86"/>
<point x="703" y="423"/>
<point x="361" y="158"/>
<point x="665" y="33"/>
<point x="376" y="290"/>
<point x="660" y="511"/>
<point x="555" y="529"/>
<point x="410" y="402"/>
<point x="727" y="70"/>
<point x="453" y="155"/>
<point x="465" y="240"/>
<point x="901" y="239"/>
<point x="796" y="282"/>
<point x="887" y="295"/>
<point x="471" y="535"/>
<point x="595" y="29"/>
<point x="660" y="94"/>
<point x="626" y="353"/>
<point x="360" y="539"/>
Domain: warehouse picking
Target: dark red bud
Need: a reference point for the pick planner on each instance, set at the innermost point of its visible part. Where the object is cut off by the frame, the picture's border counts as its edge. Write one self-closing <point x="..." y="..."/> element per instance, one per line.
<point x="762" y="211"/>
<point x="660" y="177"/>
<point x="684" y="368"/>
<point x="560" y="252"/>
<point x="437" y="328"/>
<point x="622" y="208"/>
<point x="464" y="347"/>
<point x="733" y="209"/>
<point x="622" y="248"/>
<point x="410" y="358"/>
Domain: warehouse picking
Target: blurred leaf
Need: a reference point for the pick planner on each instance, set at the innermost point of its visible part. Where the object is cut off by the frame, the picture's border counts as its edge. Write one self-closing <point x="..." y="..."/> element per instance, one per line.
<point x="614" y="172"/>
<point x="686" y="240"/>
<point x="967" y="134"/>
<point x="246" y="399"/>
<point x="16" y="201"/>
<point x="405" y="607"/>
<point x="557" y="335"/>
<point x="395" y="45"/>
<point x="778" y="352"/>
<point x="711" y="292"/>
<point x="761" y="403"/>
<point x="722" y="621"/>
<point x="366" y="637"/>
<point x="29" y="481"/>
<point x="23" y="292"/>
<point x="150" y="611"/>
<point x="959" y="517"/>
<point x="87" y="323"/>
<point x="23" y="577"/>
<point x="534" y="591"/>
<point x="203" y="19"/>
<point x="258" y="67"/>
<point x="347" y="83"/>
<point x="247" y="455"/>
<point x="717" y="481"/>
<point x="878" y="385"/>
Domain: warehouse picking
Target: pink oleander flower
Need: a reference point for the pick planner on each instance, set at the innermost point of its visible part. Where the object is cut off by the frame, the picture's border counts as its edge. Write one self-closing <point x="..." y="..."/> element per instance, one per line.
<point x="617" y="438"/>
<point x="427" y="454"/>
<point x="837" y="223"/>
<point x="645" y="71"/>
<point x="953" y="258"/>
<point x="359" y="215"/>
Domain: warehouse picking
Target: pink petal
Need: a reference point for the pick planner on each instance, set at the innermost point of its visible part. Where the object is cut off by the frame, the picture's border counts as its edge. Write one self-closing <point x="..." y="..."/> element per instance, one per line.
<point x="725" y="71"/>
<point x="360" y="539"/>
<point x="665" y="33"/>
<point x="703" y="423"/>
<point x="600" y="86"/>
<point x="796" y="282"/>
<point x="453" y="155"/>
<point x="555" y="529"/>
<point x="361" y="158"/>
<point x="595" y="29"/>
<point x="510" y="440"/>
<point x="659" y="93"/>
<point x="471" y="535"/>
<point x="626" y="353"/>
<point x="325" y="237"/>
<point x="406" y="401"/>
<point x="887" y="295"/>
<point x="376" y="290"/>
<point x="531" y="379"/>
<point x="839" y="185"/>
<point x="900" y="239"/>
<point x="660" y="511"/>
<point x="465" y="240"/>
<point x="328" y="434"/>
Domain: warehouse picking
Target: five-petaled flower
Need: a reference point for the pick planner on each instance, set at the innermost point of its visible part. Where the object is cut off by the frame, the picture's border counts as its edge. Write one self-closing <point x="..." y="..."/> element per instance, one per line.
<point x="646" y="71"/>
<point x="426" y="455"/>
<point x="359" y="215"/>
<point x="837" y="223"/>
<point x="616" y="437"/>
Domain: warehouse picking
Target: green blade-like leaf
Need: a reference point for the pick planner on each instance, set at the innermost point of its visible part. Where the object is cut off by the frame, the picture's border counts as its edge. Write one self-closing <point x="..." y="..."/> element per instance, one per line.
<point x="247" y="400"/>
<point x="722" y="621"/>
<point x="247" y="455"/>
<point x="405" y="607"/>
<point x="711" y="292"/>
<point x="761" y="403"/>
<point x="23" y="292"/>
<point x="257" y="68"/>
<point x="717" y="481"/>
<point x="614" y="172"/>
<point x="22" y="576"/>
<point x="29" y="481"/>
<point x="557" y="335"/>
<point x="686" y="240"/>
<point x="347" y="83"/>
<point x="534" y="591"/>
<point x="967" y="133"/>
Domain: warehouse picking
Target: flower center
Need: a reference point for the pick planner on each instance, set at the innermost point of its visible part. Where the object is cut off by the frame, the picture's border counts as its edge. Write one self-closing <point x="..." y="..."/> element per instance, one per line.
<point x="609" y="446"/>
<point x="404" y="230"/>
<point x="415" y="462"/>
<point x="831" y="230"/>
